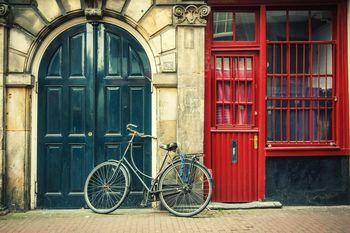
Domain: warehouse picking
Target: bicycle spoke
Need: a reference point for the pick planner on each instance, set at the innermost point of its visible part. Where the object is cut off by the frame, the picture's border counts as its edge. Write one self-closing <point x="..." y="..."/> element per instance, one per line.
<point x="194" y="189"/>
<point x="106" y="187"/>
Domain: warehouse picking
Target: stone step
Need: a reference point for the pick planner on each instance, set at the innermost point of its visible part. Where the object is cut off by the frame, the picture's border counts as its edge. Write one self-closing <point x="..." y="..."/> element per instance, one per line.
<point x="249" y="205"/>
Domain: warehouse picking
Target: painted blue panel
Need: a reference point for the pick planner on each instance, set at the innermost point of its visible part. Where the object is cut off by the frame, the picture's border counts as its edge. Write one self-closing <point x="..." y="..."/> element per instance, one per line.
<point x="139" y="158"/>
<point x="54" y="162"/>
<point x="54" y="110"/>
<point x="77" y="110"/>
<point x="112" y="151"/>
<point x="77" y="55"/>
<point x="137" y="107"/>
<point x="113" y="110"/>
<point x="135" y="63"/>
<point x="55" y="64"/>
<point x="77" y="168"/>
<point x="113" y="54"/>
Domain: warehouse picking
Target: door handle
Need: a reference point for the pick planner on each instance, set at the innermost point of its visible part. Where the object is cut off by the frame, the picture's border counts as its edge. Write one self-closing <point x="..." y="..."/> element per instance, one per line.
<point x="255" y="142"/>
<point x="90" y="134"/>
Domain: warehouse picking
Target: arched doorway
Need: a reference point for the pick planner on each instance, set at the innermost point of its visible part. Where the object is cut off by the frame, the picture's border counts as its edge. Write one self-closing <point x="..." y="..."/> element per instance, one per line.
<point x="92" y="82"/>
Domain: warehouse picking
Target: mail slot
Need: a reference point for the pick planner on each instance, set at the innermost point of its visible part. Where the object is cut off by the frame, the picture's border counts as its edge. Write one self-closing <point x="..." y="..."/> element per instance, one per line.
<point x="234" y="151"/>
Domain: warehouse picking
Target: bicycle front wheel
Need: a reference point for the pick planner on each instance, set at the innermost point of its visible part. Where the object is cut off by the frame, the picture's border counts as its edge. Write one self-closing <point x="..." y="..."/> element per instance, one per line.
<point x="106" y="187"/>
<point x="185" y="188"/>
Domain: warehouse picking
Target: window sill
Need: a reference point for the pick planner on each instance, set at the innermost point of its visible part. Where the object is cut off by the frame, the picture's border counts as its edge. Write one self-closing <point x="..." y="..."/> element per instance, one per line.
<point x="297" y="148"/>
<point x="289" y="151"/>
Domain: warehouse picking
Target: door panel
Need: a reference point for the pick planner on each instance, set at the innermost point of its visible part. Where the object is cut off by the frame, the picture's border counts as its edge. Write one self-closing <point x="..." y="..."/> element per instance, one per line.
<point x="64" y="149"/>
<point x="235" y="180"/>
<point x="234" y="129"/>
<point x="122" y="98"/>
<point x="88" y="92"/>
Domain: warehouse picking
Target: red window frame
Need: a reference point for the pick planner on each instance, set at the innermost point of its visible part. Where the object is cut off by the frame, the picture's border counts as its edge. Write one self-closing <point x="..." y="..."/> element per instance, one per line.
<point x="341" y="113"/>
<point x="232" y="97"/>
<point x="234" y="43"/>
<point x="310" y="104"/>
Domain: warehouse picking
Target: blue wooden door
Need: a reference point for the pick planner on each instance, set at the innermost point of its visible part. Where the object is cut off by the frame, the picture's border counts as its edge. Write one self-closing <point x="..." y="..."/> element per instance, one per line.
<point x="91" y="84"/>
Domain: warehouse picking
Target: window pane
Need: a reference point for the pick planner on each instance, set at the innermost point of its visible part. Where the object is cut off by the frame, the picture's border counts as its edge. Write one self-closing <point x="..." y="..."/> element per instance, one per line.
<point x="276" y="25"/>
<point x="293" y="125"/>
<point x="315" y="125"/>
<point x="299" y="58"/>
<point x="227" y="115"/>
<point x="322" y="59"/>
<point x="280" y="125"/>
<point x="277" y="59"/>
<point x="243" y="114"/>
<point x="245" y="26"/>
<point x="322" y="87"/>
<point x="329" y="87"/>
<point x="227" y="96"/>
<point x="269" y="125"/>
<point x="219" y="114"/>
<point x="298" y="25"/>
<point x="321" y="25"/>
<point x="222" y="26"/>
<point x="293" y="86"/>
<point x="269" y="86"/>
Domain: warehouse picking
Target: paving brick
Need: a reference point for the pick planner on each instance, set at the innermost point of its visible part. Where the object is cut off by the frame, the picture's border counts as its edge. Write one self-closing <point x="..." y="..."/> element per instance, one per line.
<point x="287" y="219"/>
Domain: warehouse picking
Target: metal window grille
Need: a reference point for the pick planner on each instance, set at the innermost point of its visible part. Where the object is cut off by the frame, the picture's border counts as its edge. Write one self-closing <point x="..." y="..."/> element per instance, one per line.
<point x="300" y="86"/>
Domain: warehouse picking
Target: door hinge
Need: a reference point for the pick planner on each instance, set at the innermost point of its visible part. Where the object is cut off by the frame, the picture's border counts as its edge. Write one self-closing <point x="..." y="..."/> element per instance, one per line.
<point x="255" y="142"/>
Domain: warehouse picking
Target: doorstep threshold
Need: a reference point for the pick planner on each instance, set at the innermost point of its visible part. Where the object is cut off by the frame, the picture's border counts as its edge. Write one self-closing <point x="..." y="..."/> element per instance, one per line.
<point x="242" y="206"/>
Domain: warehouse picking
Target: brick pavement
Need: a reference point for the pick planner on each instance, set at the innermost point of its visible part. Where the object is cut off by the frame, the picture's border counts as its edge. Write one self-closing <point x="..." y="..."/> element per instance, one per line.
<point x="287" y="219"/>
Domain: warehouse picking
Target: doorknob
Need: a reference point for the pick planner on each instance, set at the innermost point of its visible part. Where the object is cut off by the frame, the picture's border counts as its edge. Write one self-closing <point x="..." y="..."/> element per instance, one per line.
<point x="89" y="134"/>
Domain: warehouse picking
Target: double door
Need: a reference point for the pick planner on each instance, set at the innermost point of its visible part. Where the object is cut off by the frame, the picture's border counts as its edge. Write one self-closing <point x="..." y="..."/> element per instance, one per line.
<point x="92" y="82"/>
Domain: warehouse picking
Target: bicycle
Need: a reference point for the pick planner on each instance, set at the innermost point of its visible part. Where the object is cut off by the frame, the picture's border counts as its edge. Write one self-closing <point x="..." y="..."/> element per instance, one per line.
<point x="184" y="186"/>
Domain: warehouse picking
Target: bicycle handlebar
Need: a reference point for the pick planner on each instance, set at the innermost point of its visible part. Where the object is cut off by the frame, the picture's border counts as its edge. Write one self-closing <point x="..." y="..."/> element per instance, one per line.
<point x="147" y="136"/>
<point x="129" y="127"/>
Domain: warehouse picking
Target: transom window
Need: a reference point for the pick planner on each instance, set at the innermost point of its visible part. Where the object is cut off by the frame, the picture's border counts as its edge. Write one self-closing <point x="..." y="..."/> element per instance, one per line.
<point x="300" y="76"/>
<point x="233" y="26"/>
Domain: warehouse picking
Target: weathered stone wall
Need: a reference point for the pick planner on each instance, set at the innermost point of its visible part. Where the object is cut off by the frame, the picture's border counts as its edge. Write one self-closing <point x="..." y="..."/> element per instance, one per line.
<point x="3" y="70"/>
<point x="190" y="88"/>
<point x="177" y="50"/>
<point x="17" y="147"/>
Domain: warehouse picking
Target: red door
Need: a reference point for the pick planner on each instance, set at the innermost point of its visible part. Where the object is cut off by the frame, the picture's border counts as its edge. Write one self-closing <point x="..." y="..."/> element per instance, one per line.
<point x="233" y="131"/>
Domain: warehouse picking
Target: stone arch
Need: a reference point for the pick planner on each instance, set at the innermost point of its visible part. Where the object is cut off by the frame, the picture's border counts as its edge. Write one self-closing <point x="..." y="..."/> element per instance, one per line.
<point x="34" y="69"/>
<point x="32" y="24"/>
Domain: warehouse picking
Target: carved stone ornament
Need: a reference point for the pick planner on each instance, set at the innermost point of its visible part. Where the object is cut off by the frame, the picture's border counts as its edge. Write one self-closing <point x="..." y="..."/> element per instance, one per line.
<point x="191" y="14"/>
<point x="93" y="13"/>
<point x="4" y="9"/>
<point x="4" y="12"/>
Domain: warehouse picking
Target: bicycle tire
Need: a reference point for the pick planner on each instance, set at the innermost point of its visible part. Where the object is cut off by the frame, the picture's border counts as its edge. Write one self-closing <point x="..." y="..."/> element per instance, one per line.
<point x="170" y="178"/>
<point x="105" y="189"/>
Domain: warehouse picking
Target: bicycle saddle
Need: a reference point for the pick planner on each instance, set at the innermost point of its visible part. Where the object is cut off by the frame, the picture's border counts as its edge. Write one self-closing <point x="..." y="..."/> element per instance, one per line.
<point x="169" y="147"/>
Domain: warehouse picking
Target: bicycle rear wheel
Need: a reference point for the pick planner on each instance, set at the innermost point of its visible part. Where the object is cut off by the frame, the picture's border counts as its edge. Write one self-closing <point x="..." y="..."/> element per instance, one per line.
<point x="106" y="187"/>
<point x="185" y="188"/>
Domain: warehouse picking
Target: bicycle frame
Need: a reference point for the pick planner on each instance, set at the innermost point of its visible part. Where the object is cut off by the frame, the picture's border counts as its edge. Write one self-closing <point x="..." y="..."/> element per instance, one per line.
<point x="135" y="170"/>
